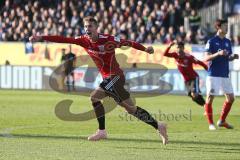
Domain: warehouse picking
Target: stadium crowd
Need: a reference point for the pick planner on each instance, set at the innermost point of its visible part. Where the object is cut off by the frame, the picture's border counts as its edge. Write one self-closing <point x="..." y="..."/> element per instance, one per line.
<point x="146" y="21"/>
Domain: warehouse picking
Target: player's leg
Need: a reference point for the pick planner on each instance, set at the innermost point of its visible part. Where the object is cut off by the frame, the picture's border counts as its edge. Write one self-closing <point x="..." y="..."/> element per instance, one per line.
<point x="144" y="116"/>
<point x="196" y="93"/>
<point x="61" y="82"/>
<point x="68" y="83"/>
<point x="212" y="89"/>
<point x="73" y="80"/>
<point x="229" y="99"/>
<point x="96" y="97"/>
<point x="115" y="89"/>
<point x="138" y="112"/>
<point x="122" y="97"/>
<point x="198" y="98"/>
<point x="209" y="111"/>
<point x="67" y="73"/>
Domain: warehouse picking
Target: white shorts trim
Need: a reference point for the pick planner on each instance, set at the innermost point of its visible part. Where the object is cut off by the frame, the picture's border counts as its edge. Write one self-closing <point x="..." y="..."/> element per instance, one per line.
<point x="218" y="86"/>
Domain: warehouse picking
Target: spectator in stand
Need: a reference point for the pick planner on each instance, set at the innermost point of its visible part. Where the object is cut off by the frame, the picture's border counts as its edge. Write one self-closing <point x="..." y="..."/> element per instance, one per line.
<point x="18" y="19"/>
<point x="194" y="21"/>
<point x="187" y="10"/>
<point x="181" y="33"/>
<point x="200" y="37"/>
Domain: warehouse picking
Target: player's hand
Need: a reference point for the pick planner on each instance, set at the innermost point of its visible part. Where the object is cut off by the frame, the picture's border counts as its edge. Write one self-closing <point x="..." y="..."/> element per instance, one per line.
<point x="172" y="43"/>
<point x="35" y="38"/>
<point x="222" y="53"/>
<point x="149" y="50"/>
<point x="235" y="56"/>
<point x="206" y="68"/>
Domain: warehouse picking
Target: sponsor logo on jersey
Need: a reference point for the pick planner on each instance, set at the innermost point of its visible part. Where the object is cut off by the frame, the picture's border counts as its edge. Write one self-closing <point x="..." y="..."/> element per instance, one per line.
<point x="102" y="36"/>
<point x="95" y="52"/>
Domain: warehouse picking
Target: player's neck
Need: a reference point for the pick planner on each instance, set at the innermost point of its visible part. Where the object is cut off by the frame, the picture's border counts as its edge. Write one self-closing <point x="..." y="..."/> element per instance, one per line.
<point x="221" y="35"/>
<point x="94" y="38"/>
<point x="182" y="54"/>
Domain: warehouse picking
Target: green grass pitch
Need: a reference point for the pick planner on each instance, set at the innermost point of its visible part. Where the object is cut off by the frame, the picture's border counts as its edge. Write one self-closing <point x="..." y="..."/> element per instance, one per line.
<point x="30" y="130"/>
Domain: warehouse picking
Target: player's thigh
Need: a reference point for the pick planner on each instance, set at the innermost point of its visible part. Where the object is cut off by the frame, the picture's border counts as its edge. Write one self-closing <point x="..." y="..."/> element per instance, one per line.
<point x="213" y="85"/>
<point x="196" y="89"/>
<point x="114" y="87"/>
<point x="193" y="87"/>
<point x="72" y="75"/>
<point x="97" y="95"/>
<point x="227" y="86"/>
<point x="209" y="99"/>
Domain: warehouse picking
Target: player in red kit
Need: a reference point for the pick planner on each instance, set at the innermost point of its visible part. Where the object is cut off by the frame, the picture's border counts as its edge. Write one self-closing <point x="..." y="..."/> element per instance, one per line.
<point x="101" y="48"/>
<point x="185" y="66"/>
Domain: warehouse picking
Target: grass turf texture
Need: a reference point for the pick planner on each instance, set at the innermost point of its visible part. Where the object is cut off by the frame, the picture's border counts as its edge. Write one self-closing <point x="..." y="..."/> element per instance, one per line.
<point x="30" y="130"/>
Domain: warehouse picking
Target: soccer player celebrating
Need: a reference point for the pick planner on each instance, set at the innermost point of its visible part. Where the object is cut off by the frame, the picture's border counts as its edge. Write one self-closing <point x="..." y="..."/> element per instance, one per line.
<point x="185" y="66"/>
<point x="101" y="48"/>
<point x="219" y="53"/>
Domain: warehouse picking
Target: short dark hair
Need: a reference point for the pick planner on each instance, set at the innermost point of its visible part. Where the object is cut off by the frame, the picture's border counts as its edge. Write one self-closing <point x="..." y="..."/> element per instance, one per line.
<point x="180" y="43"/>
<point x="220" y="22"/>
<point x="90" y="19"/>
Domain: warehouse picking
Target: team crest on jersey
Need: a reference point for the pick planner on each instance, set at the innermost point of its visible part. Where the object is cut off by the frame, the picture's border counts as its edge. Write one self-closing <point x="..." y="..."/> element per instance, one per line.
<point x="101" y="48"/>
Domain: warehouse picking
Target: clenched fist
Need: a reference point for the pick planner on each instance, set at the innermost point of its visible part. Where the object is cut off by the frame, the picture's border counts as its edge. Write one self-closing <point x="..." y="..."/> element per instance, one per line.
<point x="149" y="50"/>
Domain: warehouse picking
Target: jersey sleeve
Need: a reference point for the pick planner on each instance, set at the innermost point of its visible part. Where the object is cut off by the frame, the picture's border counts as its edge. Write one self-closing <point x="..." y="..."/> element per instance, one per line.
<point x="132" y="44"/>
<point x="60" y="39"/>
<point x="128" y="43"/>
<point x="209" y="47"/>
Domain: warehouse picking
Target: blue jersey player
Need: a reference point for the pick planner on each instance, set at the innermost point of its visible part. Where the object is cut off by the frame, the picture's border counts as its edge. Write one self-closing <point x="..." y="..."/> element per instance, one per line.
<point x="218" y="54"/>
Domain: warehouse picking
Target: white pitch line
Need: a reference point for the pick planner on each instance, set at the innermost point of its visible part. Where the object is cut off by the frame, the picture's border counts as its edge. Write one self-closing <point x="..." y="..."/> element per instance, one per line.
<point x="7" y="132"/>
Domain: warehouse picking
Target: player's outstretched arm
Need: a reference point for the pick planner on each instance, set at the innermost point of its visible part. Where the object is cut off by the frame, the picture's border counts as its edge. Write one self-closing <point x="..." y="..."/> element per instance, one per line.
<point x="166" y="52"/>
<point x="136" y="45"/>
<point x="58" y="39"/>
<point x="35" y="38"/>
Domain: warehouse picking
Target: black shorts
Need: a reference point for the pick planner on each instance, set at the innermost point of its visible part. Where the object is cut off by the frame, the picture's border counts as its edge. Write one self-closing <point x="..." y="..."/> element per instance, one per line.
<point x="193" y="86"/>
<point x="68" y="71"/>
<point x="114" y="87"/>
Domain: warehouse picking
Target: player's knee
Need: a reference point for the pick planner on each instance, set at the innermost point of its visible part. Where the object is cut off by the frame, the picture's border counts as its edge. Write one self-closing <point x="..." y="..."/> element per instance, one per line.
<point x="209" y="99"/>
<point x="94" y="99"/>
<point x="130" y="109"/>
<point x="194" y="95"/>
<point x="231" y="99"/>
